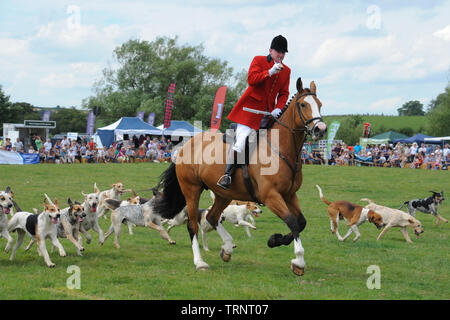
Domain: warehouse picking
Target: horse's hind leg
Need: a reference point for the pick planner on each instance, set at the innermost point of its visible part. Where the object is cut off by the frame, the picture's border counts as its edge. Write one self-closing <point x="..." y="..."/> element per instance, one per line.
<point x="213" y="219"/>
<point x="192" y="195"/>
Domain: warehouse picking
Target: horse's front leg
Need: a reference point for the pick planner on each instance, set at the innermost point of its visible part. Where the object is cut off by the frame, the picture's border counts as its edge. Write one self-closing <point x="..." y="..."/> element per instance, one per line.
<point x="291" y="214"/>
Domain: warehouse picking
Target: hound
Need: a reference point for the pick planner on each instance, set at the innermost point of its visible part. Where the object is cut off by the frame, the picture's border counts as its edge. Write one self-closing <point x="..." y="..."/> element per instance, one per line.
<point x="140" y="215"/>
<point x="90" y="206"/>
<point x="353" y="214"/>
<point x="428" y="205"/>
<point x="135" y="200"/>
<point x="240" y="213"/>
<point x="69" y="225"/>
<point x="395" y="218"/>
<point x="6" y="205"/>
<point x="38" y="227"/>
<point x="113" y="193"/>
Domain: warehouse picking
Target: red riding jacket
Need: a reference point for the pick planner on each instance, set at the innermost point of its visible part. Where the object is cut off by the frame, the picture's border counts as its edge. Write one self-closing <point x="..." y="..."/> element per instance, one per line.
<point x="262" y="92"/>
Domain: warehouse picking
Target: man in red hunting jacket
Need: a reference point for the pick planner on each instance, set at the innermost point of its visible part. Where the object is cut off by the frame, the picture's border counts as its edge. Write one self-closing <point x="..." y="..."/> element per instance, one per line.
<point x="268" y="90"/>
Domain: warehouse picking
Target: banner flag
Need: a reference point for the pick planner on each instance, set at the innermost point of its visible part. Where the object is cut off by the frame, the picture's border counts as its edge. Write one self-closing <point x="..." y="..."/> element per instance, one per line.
<point x="332" y="130"/>
<point x="90" y="123"/>
<point x="140" y="115"/>
<point x="219" y="102"/>
<point x="46" y="115"/>
<point x="169" y="104"/>
<point x="151" y="118"/>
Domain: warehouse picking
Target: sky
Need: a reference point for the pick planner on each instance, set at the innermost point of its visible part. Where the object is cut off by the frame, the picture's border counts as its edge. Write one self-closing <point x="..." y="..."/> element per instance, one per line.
<point x="364" y="56"/>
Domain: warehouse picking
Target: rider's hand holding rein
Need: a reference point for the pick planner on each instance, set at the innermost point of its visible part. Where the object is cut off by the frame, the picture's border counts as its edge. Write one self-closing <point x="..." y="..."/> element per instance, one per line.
<point x="276" y="113"/>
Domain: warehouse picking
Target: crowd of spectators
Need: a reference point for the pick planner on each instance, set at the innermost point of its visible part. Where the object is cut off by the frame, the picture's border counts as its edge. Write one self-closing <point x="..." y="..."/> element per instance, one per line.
<point x="383" y="155"/>
<point x="153" y="149"/>
<point x="134" y="149"/>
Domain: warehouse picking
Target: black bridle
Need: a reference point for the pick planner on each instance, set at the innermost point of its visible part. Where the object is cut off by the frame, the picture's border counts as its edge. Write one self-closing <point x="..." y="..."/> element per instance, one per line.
<point x="303" y="129"/>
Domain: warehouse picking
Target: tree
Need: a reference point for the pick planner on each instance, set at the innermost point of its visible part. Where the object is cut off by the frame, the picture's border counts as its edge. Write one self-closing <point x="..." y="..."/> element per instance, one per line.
<point x="4" y="107"/>
<point x="69" y="120"/>
<point x="439" y="117"/>
<point x="145" y="71"/>
<point x="411" y="108"/>
<point x="351" y="129"/>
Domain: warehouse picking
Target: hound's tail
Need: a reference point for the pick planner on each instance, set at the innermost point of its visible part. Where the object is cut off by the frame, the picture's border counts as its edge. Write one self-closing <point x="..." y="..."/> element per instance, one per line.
<point x="171" y="200"/>
<point x="406" y="202"/>
<point x="368" y="200"/>
<point x="321" y="196"/>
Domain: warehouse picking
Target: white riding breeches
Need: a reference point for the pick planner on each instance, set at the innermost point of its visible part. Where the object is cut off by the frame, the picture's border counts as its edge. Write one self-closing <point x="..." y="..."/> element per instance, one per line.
<point x="242" y="132"/>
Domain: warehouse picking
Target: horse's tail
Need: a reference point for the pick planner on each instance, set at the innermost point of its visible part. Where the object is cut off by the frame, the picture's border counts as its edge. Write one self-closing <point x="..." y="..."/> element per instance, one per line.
<point x="171" y="200"/>
<point x="321" y="196"/>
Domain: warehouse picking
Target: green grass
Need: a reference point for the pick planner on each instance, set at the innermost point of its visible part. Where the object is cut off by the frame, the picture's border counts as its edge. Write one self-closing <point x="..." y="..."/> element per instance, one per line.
<point x="147" y="267"/>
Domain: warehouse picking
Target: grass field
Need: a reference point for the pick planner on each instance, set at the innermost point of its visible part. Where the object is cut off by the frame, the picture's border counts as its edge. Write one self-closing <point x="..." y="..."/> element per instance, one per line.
<point x="147" y="267"/>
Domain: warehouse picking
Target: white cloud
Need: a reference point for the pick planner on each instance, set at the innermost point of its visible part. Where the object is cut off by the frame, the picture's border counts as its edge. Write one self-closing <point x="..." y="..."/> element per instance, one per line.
<point x="443" y="33"/>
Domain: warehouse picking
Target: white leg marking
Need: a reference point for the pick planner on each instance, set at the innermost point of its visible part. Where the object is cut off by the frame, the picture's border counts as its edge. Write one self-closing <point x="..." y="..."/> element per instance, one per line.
<point x="299" y="252"/>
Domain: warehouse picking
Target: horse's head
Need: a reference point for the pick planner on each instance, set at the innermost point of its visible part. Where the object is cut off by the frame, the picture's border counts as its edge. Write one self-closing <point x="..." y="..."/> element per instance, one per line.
<point x="307" y="111"/>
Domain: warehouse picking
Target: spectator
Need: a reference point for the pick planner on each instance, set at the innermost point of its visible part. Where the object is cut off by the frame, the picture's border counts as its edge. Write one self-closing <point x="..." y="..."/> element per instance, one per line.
<point x="19" y="145"/>
<point x="445" y="151"/>
<point x="38" y="143"/>
<point x="422" y="149"/>
<point x="92" y="145"/>
<point x="357" y="149"/>
<point x="130" y="154"/>
<point x="141" y="152"/>
<point x="121" y="155"/>
<point x="47" y="146"/>
<point x="8" y="145"/>
<point x="101" y="155"/>
<point x="31" y="150"/>
<point x="65" y="143"/>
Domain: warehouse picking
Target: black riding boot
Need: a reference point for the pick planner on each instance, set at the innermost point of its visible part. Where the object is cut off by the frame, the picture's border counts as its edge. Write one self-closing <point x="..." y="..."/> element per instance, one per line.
<point x="225" y="181"/>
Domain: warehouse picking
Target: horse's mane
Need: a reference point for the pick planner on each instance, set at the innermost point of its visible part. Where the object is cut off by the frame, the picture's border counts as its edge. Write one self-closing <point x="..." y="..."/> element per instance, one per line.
<point x="289" y="102"/>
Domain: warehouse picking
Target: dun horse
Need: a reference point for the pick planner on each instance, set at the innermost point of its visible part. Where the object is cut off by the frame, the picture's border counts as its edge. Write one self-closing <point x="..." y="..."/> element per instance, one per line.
<point x="183" y="182"/>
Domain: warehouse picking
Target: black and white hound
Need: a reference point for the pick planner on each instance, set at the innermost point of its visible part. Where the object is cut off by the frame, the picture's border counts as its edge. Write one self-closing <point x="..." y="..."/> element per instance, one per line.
<point x="427" y="205"/>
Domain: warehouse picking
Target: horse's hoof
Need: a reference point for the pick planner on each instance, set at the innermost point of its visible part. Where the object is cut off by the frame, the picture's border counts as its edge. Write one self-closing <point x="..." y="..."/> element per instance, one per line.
<point x="297" y="270"/>
<point x="225" y="256"/>
<point x="202" y="267"/>
<point x="274" y="240"/>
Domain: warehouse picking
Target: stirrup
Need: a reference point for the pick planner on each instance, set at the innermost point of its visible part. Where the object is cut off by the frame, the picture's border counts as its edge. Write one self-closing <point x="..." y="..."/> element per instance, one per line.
<point x="224" y="181"/>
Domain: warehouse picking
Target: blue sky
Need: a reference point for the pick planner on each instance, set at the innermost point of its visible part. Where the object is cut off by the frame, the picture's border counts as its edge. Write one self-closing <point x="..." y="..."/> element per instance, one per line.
<point x="364" y="56"/>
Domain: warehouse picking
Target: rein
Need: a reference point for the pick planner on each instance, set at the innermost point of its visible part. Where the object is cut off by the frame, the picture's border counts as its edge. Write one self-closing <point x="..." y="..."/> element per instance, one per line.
<point x="304" y="129"/>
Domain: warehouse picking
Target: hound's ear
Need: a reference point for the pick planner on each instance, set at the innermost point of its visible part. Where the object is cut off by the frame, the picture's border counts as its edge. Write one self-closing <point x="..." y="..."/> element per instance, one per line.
<point x="8" y="189"/>
<point x="312" y="87"/>
<point x="299" y="85"/>
<point x="433" y="192"/>
<point x="45" y="203"/>
<point x="155" y="191"/>
<point x="96" y="189"/>
<point x="84" y="194"/>
<point x="410" y="220"/>
<point x="55" y="202"/>
<point x="129" y="199"/>
<point x="78" y="203"/>
<point x="69" y="202"/>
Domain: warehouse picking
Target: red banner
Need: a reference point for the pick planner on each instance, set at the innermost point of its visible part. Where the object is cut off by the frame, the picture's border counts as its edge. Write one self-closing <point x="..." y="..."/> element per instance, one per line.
<point x="219" y="102"/>
<point x="169" y="105"/>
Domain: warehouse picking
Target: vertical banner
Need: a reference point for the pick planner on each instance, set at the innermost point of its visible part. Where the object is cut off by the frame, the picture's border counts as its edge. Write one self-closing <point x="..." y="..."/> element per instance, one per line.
<point x="332" y="130"/>
<point x="169" y="105"/>
<point x="90" y="123"/>
<point x="140" y="115"/>
<point x="219" y="102"/>
<point x="46" y="115"/>
<point x="151" y="118"/>
<point x="366" y="129"/>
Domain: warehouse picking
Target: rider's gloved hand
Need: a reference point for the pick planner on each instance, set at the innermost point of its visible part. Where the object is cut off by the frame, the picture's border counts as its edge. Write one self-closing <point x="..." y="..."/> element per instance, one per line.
<point x="276" y="113"/>
<point x="275" y="69"/>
